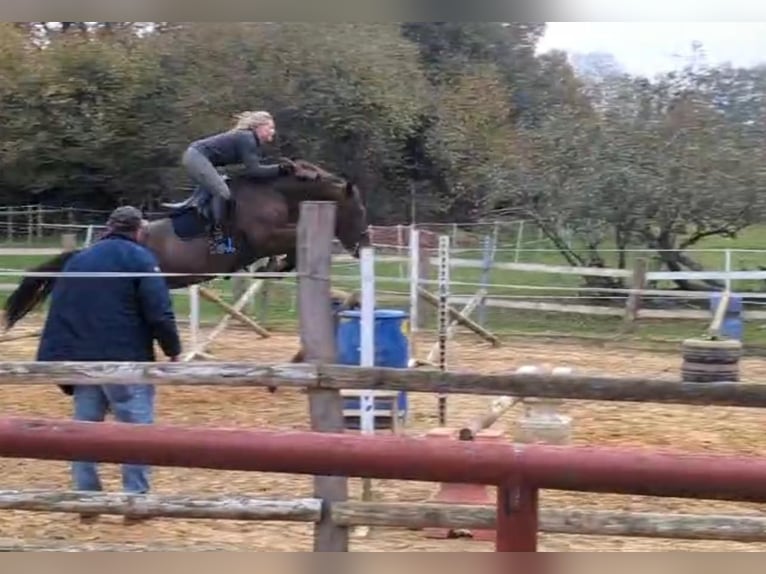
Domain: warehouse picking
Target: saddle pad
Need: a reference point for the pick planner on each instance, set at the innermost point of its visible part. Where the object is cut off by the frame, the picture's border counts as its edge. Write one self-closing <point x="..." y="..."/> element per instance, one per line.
<point x="188" y="224"/>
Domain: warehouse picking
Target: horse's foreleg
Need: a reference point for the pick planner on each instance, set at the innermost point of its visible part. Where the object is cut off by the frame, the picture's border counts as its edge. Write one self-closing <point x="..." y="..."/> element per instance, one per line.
<point x="290" y="262"/>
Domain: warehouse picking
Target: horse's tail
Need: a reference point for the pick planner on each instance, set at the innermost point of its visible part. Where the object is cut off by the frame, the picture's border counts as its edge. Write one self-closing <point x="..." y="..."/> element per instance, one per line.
<point x="33" y="290"/>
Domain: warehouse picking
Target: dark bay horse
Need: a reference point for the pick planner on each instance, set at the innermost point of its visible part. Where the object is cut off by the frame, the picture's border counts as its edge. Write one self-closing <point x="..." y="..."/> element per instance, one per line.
<point x="263" y="223"/>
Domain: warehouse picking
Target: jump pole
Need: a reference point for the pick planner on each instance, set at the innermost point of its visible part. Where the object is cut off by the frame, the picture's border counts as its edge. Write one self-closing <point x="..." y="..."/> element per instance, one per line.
<point x="414" y="294"/>
<point x="194" y="316"/>
<point x="444" y="281"/>
<point x="367" y="355"/>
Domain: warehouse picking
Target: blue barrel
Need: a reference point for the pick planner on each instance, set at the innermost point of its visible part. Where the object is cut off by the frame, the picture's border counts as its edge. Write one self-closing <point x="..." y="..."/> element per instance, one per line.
<point x="732" y="326"/>
<point x="391" y="351"/>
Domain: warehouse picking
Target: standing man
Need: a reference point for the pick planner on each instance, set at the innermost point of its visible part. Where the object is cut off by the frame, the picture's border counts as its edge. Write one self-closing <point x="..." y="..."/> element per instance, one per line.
<point x="112" y="319"/>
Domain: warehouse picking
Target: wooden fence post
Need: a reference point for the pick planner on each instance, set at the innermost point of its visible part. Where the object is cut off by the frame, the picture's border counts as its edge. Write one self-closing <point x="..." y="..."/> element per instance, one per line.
<point x="317" y="332"/>
<point x="633" y="305"/>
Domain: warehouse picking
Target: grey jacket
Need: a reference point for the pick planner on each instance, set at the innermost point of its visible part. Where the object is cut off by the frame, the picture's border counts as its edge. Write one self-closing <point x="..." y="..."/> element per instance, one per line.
<point x="236" y="147"/>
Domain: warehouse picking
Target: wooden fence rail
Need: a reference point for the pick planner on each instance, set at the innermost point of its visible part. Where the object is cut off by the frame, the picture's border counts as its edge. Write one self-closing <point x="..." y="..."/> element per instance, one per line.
<point x="735" y="528"/>
<point x="328" y="377"/>
<point x="16" y="545"/>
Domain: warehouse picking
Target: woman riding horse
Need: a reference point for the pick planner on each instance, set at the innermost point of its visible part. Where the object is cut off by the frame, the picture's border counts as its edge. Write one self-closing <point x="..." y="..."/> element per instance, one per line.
<point x="239" y="145"/>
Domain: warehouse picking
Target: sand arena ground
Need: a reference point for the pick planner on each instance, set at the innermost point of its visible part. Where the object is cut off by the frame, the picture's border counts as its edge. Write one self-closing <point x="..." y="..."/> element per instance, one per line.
<point x="700" y="429"/>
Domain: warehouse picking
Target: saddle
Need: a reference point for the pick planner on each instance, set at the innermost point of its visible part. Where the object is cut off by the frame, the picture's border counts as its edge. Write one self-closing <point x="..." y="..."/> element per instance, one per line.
<point x="199" y="200"/>
<point x="193" y="217"/>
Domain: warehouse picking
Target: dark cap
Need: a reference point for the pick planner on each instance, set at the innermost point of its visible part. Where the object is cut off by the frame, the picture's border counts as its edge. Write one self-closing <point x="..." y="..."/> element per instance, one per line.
<point x="125" y="218"/>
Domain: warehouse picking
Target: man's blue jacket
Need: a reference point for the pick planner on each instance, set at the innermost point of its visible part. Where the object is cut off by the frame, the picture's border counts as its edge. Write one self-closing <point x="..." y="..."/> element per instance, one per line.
<point x="110" y="319"/>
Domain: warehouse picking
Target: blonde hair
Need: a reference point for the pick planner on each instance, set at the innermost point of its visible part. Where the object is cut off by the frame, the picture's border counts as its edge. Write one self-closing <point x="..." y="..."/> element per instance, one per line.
<point x="251" y="120"/>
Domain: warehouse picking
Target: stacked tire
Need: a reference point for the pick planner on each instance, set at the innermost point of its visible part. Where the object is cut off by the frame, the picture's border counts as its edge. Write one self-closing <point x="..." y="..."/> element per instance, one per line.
<point x="711" y="361"/>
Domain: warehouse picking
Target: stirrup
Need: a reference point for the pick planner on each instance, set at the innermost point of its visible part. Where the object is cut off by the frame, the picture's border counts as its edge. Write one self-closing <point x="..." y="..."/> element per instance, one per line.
<point x="222" y="247"/>
<point x="227" y="245"/>
<point x="219" y="244"/>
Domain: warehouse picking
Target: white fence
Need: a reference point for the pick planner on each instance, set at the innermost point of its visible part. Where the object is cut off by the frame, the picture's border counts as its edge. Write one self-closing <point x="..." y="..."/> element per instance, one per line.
<point x="410" y="261"/>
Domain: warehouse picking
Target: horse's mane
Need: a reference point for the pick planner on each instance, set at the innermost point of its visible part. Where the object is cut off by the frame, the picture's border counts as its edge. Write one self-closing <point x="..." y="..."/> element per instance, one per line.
<point x="306" y="165"/>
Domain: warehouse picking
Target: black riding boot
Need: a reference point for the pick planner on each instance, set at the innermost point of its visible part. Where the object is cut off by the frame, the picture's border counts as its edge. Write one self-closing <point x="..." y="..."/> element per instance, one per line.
<point x="220" y="242"/>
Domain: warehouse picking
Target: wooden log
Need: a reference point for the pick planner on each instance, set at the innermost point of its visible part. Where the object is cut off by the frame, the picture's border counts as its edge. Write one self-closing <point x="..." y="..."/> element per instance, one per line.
<point x="329" y="376"/>
<point x="714" y="331"/>
<point x="314" y="249"/>
<point x="465" y="312"/>
<point x="236" y="313"/>
<point x="348" y="301"/>
<point x="242" y="374"/>
<point x="164" y="506"/>
<point x="547" y="386"/>
<point x="739" y="528"/>
<point x="457" y="316"/>
<point x="736" y="528"/>
<point x="336" y="293"/>
<point x="497" y="408"/>
<point x="16" y="545"/>
<point x="18" y="336"/>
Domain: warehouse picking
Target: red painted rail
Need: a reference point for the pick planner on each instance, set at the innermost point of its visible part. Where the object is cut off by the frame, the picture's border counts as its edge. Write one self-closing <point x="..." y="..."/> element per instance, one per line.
<point x="518" y="470"/>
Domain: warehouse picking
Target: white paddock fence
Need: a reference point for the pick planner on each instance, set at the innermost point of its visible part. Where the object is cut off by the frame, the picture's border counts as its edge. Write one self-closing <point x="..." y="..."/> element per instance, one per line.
<point x="412" y="259"/>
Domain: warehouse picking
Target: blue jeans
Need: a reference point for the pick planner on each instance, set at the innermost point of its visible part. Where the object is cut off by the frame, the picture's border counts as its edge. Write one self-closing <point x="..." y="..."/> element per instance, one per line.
<point x="130" y="404"/>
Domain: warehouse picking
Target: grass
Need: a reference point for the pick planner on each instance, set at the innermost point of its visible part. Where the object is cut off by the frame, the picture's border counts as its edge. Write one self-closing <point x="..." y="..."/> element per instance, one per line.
<point x="279" y="310"/>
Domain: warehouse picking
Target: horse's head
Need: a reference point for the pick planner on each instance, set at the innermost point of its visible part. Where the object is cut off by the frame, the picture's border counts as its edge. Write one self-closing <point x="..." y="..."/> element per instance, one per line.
<point x="351" y="227"/>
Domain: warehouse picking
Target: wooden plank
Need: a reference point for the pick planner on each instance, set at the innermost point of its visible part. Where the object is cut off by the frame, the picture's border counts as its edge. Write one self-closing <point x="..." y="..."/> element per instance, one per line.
<point x="164" y="506"/>
<point x="315" y="235"/>
<point x="739" y="528"/>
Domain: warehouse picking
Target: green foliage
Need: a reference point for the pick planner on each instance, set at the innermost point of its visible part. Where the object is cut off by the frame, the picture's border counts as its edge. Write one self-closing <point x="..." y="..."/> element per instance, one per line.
<point x="463" y="117"/>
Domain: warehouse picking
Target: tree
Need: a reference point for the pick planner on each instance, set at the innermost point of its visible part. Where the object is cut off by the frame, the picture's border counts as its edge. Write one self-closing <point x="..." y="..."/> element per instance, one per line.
<point x="656" y="165"/>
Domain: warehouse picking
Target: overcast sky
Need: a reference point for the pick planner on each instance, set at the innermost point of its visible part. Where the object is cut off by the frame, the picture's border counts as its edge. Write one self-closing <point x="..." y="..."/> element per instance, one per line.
<point x="648" y="47"/>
